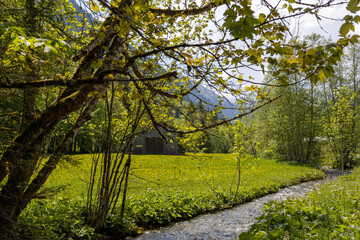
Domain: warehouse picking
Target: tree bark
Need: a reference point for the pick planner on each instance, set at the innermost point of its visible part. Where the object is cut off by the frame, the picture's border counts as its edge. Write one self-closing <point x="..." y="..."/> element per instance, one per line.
<point x="20" y="158"/>
<point x="22" y="155"/>
<point x="54" y="159"/>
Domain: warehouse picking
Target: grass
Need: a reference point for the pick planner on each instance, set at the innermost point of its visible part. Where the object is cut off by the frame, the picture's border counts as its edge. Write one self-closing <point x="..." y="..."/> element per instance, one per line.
<point x="195" y="174"/>
<point x="165" y="188"/>
<point x="333" y="212"/>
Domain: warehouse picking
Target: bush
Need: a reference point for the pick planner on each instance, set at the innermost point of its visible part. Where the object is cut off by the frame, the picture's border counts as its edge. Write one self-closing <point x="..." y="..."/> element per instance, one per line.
<point x="50" y="219"/>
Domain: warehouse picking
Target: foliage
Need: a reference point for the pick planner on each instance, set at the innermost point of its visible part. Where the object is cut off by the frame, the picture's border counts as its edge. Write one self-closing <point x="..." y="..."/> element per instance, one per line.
<point x="64" y="219"/>
<point x="303" y="124"/>
<point x="289" y="126"/>
<point x="163" y="189"/>
<point x="245" y="141"/>
<point x="157" y="51"/>
<point x="341" y="128"/>
<point x="218" y="139"/>
<point x="332" y="212"/>
<point x="341" y="115"/>
<point x="30" y="49"/>
<point x="244" y="144"/>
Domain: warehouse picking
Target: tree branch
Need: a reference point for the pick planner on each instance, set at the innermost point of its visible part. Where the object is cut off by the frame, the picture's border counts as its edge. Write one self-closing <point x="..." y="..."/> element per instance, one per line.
<point x="224" y="121"/>
<point x="75" y="82"/>
<point x="146" y="54"/>
<point x="109" y="24"/>
<point x="188" y="12"/>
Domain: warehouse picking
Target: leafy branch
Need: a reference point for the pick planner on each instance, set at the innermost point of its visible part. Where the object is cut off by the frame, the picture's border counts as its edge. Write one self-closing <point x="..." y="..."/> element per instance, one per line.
<point x="76" y="82"/>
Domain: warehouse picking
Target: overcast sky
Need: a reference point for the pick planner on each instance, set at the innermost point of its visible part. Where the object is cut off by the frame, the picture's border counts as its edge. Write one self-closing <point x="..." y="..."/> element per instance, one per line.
<point x="307" y="25"/>
<point x="328" y="26"/>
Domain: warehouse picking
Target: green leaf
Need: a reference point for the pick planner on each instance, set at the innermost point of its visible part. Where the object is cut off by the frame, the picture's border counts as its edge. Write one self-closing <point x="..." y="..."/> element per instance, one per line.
<point x="217" y="2"/>
<point x="321" y="75"/>
<point x="6" y="62"/>
<point x="291" y="9"/>
<point x="95" y="7"/>
<point x="19" y="30"/>
<point x="22" y="58"/>
<point x="354" y="39"/>
<point x="353" y="6"/>
<point x="262" y="18"/>
<point x="356" y="18"/>
<point x="345" y="28"/>
<point x="2" y="30"/>
<point x="311" y="52"/>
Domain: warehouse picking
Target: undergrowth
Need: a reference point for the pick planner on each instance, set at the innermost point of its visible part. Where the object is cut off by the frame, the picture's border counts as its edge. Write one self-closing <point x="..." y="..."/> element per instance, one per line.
<point x="333" y="212"/>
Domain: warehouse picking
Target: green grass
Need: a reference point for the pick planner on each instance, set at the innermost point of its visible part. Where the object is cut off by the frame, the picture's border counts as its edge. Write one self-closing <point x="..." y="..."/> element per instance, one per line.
<point x="195" y="174"/>
<point x="333" y="212"/>
<point x="166" y="188"/>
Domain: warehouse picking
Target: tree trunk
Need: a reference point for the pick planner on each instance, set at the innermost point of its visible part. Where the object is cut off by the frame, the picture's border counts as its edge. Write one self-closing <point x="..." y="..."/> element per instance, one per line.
<point x="310" y="145"/>
<point x="19" y="160"/>
<point x="51" y="164"/>
<point x="21" y="157"/>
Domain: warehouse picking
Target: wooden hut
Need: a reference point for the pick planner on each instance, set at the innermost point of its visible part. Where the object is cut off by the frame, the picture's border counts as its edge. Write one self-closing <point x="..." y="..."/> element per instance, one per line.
<point x="152" y="143"/>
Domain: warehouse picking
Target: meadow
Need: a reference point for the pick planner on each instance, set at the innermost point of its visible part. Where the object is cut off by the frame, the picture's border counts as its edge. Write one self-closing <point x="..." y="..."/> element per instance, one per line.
<point x="332" y="212"/>
<point x="162" y="189"/>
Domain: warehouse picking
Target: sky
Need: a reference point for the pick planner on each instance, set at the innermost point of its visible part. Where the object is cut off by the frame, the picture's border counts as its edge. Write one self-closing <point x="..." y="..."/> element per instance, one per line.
<point x="308" y="25"/>
<point x="328" y="26"/>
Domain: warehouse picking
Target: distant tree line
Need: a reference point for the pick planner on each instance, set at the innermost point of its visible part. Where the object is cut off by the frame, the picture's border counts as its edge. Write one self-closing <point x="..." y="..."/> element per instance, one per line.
<point x="311" y="121"/>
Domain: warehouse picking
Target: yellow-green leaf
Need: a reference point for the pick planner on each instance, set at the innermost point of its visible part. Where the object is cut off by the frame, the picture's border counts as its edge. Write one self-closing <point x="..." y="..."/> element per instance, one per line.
<point x="345" y="28"/>
<point x="95" y="7"/>
<point x="353" y="6"/>
<point x="21" y="58"/>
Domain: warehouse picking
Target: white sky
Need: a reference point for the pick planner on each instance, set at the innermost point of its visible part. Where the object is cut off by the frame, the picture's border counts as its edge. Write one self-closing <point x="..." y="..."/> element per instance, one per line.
<point x="329" y="28"/>
<point x="308" y="25"/>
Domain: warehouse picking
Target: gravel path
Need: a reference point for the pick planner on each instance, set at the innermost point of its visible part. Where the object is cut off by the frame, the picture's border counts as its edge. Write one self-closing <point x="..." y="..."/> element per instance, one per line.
<point x="228" y="224"/>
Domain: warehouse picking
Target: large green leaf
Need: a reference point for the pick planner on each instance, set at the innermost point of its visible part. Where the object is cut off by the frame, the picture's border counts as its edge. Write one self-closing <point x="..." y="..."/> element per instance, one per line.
<point x="353" y="6"/>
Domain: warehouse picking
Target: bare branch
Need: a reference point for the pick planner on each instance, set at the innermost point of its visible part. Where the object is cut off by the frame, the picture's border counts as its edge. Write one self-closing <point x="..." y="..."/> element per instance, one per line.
<point x="224" y="121"/>
<point x="180" y="46"/>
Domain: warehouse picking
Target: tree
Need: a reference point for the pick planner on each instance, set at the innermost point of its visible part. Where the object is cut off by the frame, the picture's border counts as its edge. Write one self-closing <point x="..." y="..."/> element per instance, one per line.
<point x="340" y="129"/>
<point x="32" y="48"/>
<point x="244" y="145"/>
<point x="291" y="124"/>
<point x="220" y="140"/>
<point x="341" y="118"/>
<point x="215" y="140"/>
<point x="144" y="46"/>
